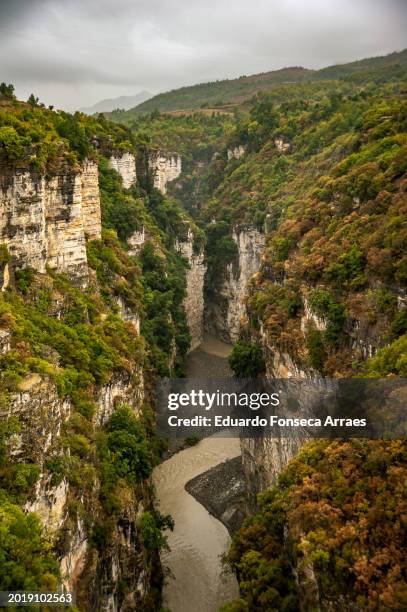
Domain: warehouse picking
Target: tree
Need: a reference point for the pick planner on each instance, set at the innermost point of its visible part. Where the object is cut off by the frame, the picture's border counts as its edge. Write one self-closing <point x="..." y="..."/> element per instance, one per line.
<point x="25" y="561"/>
<point x="7" y="90"/>
<point x="32" y="100"/>
<point x="246" y="360"/>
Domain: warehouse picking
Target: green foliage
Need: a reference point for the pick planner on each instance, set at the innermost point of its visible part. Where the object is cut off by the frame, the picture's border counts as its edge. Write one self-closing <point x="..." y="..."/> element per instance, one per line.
<point x="390" y="359"/>
<point x="25" y="559"/>
<point x="126" y="440"/>
<point x="31" y="135"/>
<point x="191" y="441"/>
<point x="320" y="302"/>
<point x="88" y="348"/>
<point x="246" y="360"/>
<point x="333" y="206"/>
<point x="4" y="255"/>
<point x="152" y="525"/>
<point x="316" y="351"/>
<point x="221" y="250"/>
<point x="336" y="319"/>
<point x="7" y="90"/>
<point x="121" y="211"/>
<point x="399" y="324"/>
<point x="24" y="279"/>
<point x="164" y="325"/>
<point x="223" y="92"/>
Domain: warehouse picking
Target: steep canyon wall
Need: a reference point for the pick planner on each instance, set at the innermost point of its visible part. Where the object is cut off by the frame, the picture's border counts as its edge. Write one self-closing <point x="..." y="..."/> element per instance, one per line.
<point x="225" y="313"/>
<point x="194" y="301"/>
<point x="44" y="220"/>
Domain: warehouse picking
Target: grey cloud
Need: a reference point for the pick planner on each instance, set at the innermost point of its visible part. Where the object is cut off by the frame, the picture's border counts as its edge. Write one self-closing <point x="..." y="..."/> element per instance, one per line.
<point x="73" y="52"/>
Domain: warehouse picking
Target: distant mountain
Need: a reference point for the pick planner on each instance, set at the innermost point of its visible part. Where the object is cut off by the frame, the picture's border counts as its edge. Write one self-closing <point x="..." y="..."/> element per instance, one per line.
<point x="126" y="102"/>
<point x="219" y="94"/>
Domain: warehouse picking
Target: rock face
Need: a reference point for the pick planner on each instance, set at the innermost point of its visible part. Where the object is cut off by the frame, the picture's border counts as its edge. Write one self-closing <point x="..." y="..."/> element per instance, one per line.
<point x="136" y="241"/>
<point x="236" y="152"/>
<point x="263" y="459"/>
<point x="194" y="301"/>
<point x="281" y="145"/>
<point x="43" y="416"/>
<point x="165" y="168"/>
<point x="119" y="389"/>
<point x="91" y="213"/>
<point x="125" y="164"/>
<point x="225" y="314"/>
<point x="44" y="220"/>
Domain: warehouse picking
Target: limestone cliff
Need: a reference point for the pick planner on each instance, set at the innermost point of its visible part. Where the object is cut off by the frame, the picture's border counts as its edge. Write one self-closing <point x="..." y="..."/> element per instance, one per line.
<point x="44" y="417"/>
<point x="44" y="220"/>
<point x="236" y="152"/>
<point x="136" y="241"/>
<point x="124" y="163"/>
<point x="194" y="301"/>
<point x="165" y="168"/>
<point x="225" y="314"/>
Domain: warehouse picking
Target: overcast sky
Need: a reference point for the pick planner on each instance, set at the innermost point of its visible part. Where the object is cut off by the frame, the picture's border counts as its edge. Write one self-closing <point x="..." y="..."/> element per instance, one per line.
<point x="73" y="53"/>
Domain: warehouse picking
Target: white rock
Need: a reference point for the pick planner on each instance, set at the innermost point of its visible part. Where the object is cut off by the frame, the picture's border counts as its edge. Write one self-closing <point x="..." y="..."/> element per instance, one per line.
<point x="125" y="164"/>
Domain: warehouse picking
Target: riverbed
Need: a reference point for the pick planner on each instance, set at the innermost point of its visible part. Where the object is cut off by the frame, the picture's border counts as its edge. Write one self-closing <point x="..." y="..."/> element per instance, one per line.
<point x="196" y="582"/>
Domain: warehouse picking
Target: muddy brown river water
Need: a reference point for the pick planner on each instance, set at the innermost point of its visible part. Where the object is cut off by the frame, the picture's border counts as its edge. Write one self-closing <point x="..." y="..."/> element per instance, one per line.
<point x="197" y="583"/>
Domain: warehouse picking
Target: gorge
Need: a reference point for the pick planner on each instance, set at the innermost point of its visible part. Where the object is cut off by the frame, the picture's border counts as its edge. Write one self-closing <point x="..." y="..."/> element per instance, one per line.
<point x="279" y="229"/>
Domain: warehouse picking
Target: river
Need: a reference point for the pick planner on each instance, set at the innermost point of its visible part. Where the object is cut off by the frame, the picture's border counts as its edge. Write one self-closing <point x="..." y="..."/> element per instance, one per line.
<point x="197" y="583"/>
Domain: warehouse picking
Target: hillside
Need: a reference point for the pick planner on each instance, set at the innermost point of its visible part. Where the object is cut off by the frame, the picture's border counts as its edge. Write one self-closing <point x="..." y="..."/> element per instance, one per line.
<point x="235" y="91"/>
<point x="83" y="331"/>
<point x="219" y="93"/>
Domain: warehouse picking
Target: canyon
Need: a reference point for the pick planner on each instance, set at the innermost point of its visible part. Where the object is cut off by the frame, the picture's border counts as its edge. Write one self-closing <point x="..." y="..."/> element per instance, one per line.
<point x="152" y="292"/>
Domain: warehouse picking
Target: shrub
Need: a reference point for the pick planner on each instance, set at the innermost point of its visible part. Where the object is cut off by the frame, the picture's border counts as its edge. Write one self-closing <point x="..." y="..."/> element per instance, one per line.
<point x="151" y="525"/>
<point x="246" y="360"/>
<point x="26" y="563"/>
<point x="316" y="351"/>
<point x="128" y="445"/>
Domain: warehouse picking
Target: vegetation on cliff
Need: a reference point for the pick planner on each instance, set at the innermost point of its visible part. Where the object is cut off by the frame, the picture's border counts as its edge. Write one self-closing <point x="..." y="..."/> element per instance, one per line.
<point x="74" y="343"/>
<point x="335" y="519"/>
<point x="321" y="169"/>
<point x="324" y="175"/>
<point x="32" y="136"/>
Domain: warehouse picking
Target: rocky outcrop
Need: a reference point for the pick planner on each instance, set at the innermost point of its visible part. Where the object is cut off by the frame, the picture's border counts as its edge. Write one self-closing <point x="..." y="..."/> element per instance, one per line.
<point x="164" y="167"/>
<point x="263" y="459"/>
<point x="281" y="145"/>
<point x="124" y="163"/>
<point x="43" y="418"/>
<point x="194" y="301"/>
<point x="129" y="315"/>
<point x="91" y="213"/>
<point x="122" y="388"/>
<point x="41" y="414"/>
<point x="44" y="220"/>
<point x="136" y="241"/>
<point x="236" y="152"/>
<point x="221" y="490"/>
<point x="226" y="312"/>
<point x="310" y="318"/>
